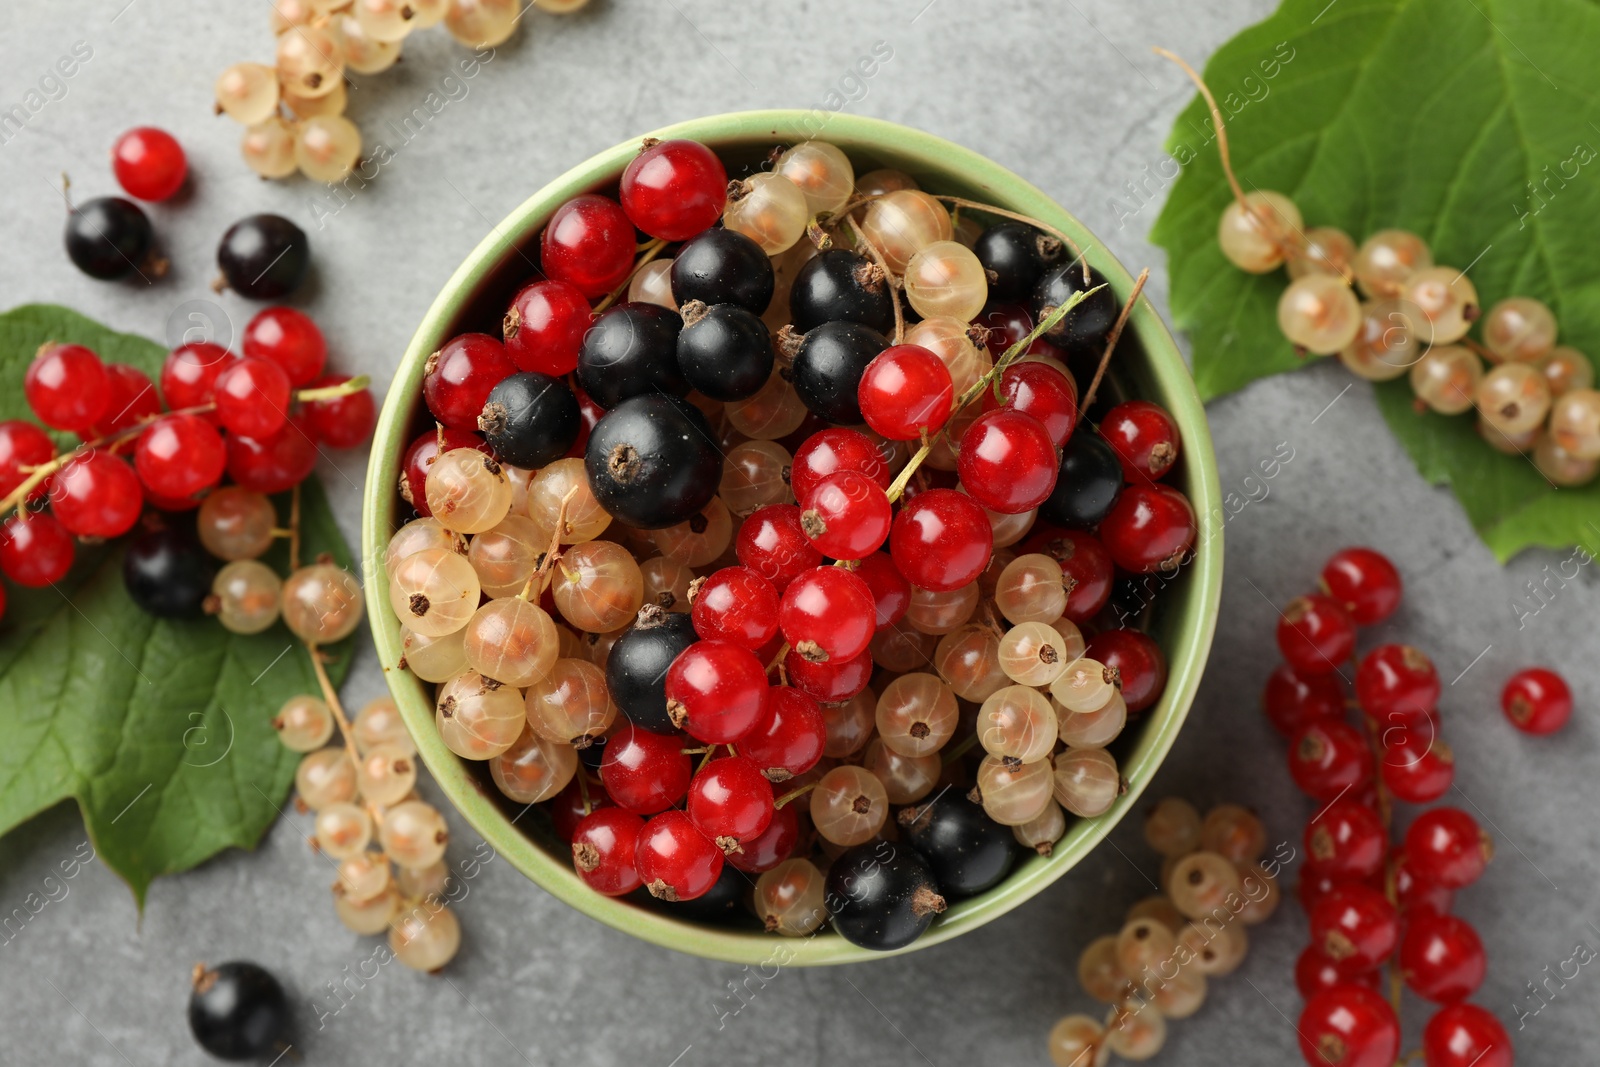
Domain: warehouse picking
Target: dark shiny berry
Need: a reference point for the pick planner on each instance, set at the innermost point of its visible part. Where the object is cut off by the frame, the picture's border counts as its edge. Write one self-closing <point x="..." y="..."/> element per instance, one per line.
<point x="530" y="419"/>
<point x="636" y="672"/>
<point x="630" y="350"/>
<point x="237" y="1011"/>
<point x="723" y="267"/>
<point x="1087" y="486"/>
<point x="264" y="257"/>
<point x="724" y="351"/>
<point x="1085" y="326"/>
<point x="1014" y="255"/>
<point x="652" y="461"/>
<point x="168" y="574"/>
<point x="828" y="368"/>
<point x="840" y="286"/>
<point x="882" y="895"/>
<point x="968" y="851"/>
<point x="108" y="237"/>
<point x="718" y="905"/>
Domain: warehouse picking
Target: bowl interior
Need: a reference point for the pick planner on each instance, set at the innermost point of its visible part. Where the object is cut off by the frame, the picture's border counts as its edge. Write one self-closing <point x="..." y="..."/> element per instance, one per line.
<point x="1147" y="364"/>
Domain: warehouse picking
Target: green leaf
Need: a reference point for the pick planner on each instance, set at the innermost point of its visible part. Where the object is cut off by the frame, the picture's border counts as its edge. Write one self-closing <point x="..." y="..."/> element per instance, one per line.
<point x="1468" y="124"/>
<point x="160" y="730"/>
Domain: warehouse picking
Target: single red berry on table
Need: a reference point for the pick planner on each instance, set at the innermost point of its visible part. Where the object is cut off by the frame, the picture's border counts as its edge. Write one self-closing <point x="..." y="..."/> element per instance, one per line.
<point x="189" y="374"/>
<point x="290" y="339"/>
<point x="904" y="392"/>
<point x="833" y="681"/>
<point x="1007" y="462"/>
<point x="644" y="772"/>
<point x="1396" y="683"/>
<point x="1347" y="840"/>
<point x="67" y="387"/>
<point x="1139" y="662"/>
<point x="96" y="495"/>
<point x="1537" y="700"/>
<point x="771" y="543"/>
<point x="569" y="806"/>
<point x="1365" y="582"/>
<point x="1355" y="926"/>
<point x="342" y="421"/>
<point x="1419" y="771"/>
<point x="736" y="604"/>
<point x="1315" y="634"/>
<point x="941" y="540"/>
<point x="604" y="845"/>
<point x="1329" y="758"/>
<point x="674" y="189"/>
<point x="459" y="377"/>
<point x="891" y="593"/>
<point x="730" y="801"/>
<point x="675" y="860"/>
<point x="1442" y="958"/>
<point x="1086" y="568"/>
<point x="848" y="516"/>
<point x="1315" y="971"/>
<point x="253" y="398"/>
<point x="1465" y="1035"/>
<point x="789" y="737"/>
<point x="35" y="550"/>
<point x="716" y="691"/>
<point x="1414" y="894"/>
<point x="827" y="613"/>
<point x="588" y="243"/>
<point x="420" y="455"/>
<point x="544" y="327"/>
<point x="273" y="464"/>
<point x="1446" y="846"/>
<point x="179" y="455"/>
<point x="1040" y="390"/>
<point x="1144" y="437"/>
<point x="772" y="846"/>
<point x="829" y="451"/>
<point x="22" y="444"/>
<point x="149" y="163"/>
<point x="1349" y="1026"/>
<point x="133" y="400"/>
<point x="1150" y="528"/>
<point x="1293" y="700"/>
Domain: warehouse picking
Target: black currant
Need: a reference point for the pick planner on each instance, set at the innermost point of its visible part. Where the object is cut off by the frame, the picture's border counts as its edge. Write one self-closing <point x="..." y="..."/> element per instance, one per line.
<point x="237" y="1011"/>
<point x="264" y="257"/>
<point x="168" y="574"/>
<point x="724" y="350"/>
<point x="828" y="367"/>
<point x="840" y="286"/>
<point x="630" y="350"/>
<point x="1089" y="483"/>
<point x="1086" y="325"/>
<point x="723" y="267"/>
<point x="1014" y="255"/>
<point x="530" y="419"/>
<point x="652" y="461"/>
<point x="719" y="905"/>
<point x="108" y="237"/>
<point x="636" y="671"/>
<point x="882" y="895"/>
<point x="968" y="851"/>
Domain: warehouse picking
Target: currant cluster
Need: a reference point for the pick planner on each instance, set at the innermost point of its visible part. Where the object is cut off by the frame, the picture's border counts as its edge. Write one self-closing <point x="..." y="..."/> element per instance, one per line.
<point x="294" y="109"/>
<point x="745" y="528"/>
<point x="1370" y="903"/>
<point x="1156" y="967"/>
<point x="255" y="420"/>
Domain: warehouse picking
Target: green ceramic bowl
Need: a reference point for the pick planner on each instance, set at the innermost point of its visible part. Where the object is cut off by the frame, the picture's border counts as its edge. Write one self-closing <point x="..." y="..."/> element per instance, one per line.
<point x="474" y="299"/>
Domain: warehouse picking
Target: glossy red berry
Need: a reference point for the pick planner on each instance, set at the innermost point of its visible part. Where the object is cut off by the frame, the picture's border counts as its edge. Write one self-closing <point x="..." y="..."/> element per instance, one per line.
<point x="1086" y="568"/>
<point x="771" y="543"/>
<point x="569" y="806"/>
<point x="1150" y="528"/>
<point x="1442" y="958"/>
<point x="189" y="374"/>
<point x="1139" y="662"/>
<point x="133" y="400"/>
<point x="827" y="613"/>
<point x="1446" y="846"/>
<point x="1349" y="1025"/>
<point x="35" y="550"/>
<point x="420" y="455"/>
<point x="1465" y="1035"/>
<point x="1144" y="437"/>
<point x="716" y="691"/>
<point x="848" y="516"/>
<point x="1329" y="758"/>
<point x="675" y="860"/>
<point x="905" y="392"/>
<point x="1347" y="840"/>
<point x="604" y="845"/>
<point x="789" y="737"/>
<point x="1355" y="926"/>
<point x="179" y="455"/>
<point x="253" y="398"/>
<point x="96" y="495"/>
<point x="1397" y="683"/>
<point x="1315" y="634"/>
<point x="589" y="244"/>
<point x="1293" y="700"/>
<point x="22" y="444"/>
<point x="1007" y="461"/>
<point x="149" y="163"/>
<point x="1418" y="770"/>
<point x="730" y="801"/>
<point x="736" y="604"/>
<point x="342" y="421"/>
<point x="458" y="378"/>
<point x="891" y="593"/>
<point x="1314" y="971"/>
<point x="67" y="387"/>
<point x="544" y="327"/>
<point x="1413" y="894"/>
<point x="1040" y="390"/>
<point x="835" y="449"/>
<point x="1537" y="700"/>
<point x="1365" y="582"/>
<point x="941" y="540"/>
<point x="644" y="772"/>
<point x="290" y="339"/>
<point x="273" y="464"/>
<point x="674" y="189"/>
<point x="772" y="846"/>
<point x="831" y="682"/>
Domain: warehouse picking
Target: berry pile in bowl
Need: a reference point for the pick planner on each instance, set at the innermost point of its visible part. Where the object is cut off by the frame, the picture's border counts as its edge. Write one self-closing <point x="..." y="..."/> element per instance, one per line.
<point x="792" y="544"/>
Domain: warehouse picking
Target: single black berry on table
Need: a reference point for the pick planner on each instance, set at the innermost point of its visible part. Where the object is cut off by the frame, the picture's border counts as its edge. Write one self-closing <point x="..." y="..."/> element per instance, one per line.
<point x="1014" y="255"/>
<point x="723" y="267"/>
<point x="828" y="367"/>
<point x="530" y="419"/>
<point x="1089" y="483"/>
<point x="636" y="672"/>
<point x="237" y="1011"/>
<point x="168" y="574"/>
<point x="1088" y="324"/>
<point x="724" y="350"/>
<point x="968" y="851"/>
<point x="264" y="257"/>
<point x="631" y="349"/>
<point x="882" y="895"/>
<point x="652" y="461"/>
<point x="108" y="237"/>
<point x="841" y="286"/>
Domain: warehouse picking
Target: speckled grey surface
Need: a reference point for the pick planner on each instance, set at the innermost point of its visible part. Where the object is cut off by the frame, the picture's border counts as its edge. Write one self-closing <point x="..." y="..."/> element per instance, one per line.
<point x="1066" y="94"/>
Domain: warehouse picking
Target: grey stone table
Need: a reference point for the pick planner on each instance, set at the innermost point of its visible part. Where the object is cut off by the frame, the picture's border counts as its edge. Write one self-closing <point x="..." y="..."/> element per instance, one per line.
<point x="1064" y="93"/>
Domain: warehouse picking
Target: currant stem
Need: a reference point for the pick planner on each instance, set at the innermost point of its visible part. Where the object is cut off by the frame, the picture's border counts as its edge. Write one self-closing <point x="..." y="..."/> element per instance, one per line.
<point x="1216" y="120"/>
<point x="793" y="794"/>
<point x="334" y="392"/>
<point x="955" y="752"/>
<point x="888" y="279"/>
<point x="1111" y="340"/>
<point x="647" y="251"/>
<point x="553" y="554"/>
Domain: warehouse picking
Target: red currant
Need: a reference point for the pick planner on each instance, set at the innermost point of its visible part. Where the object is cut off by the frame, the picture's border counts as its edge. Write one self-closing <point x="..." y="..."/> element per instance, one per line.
<point x="1315" y="634"/>
<point x="788" y="739"/>
<point x="1144" y="437"/>
<point x="736" y="604"/>
<point x="589" y="244"/>
<point x="1365" y="582"/>
<point x="1349" y="1025"/>
<point x="1140" y="665"/>
<point x="342" y="421"/>
<point x="1292" y="700"/>
<point x="827" y="613"/>
<point x="716" y="691"/>
<point x="831" y="682"/>
<point x="1040" y="390"/>
<point x="675" y="860"/>
<point x="1007" y="461"/>
<point x="1465" y="1035"/>
<point x="179" y="455"/>
<point x="290" y="339"/>
<point x="149" y="163"/>
<point x="1445" y="846"/>
<point x="604" y="844"/>
<point x="420" y="455"/>
<point x="253" y="398"/>
<point x="1327" y="758"/>
<point x="891" y="593"/>
<point x="1420" y="770"/>
<point x="1441" y="957"/>
<point x="22" y="444"/>
<point x="848" y="516"/>
<point x="730" y="801"/>
<point x="1414" y="894"/>
<point x="273" y="464"/>
<point x="35" y="550"/>
<point x="674" y="189"/>
<point x="577" y="800"/>
<point x="829" y="451"/>
<point x="1086" y="568"/>
<point x="67" y="387"/>
<point x="1150" y="528"/>
<point x="1355" y="925"/>
<point x="133" y="400"/>
<point x="771" y="543"/>
<point x="1314" y="972"/>
<point x="772" y="846"/>
<point x="941" y="540"/>
<point x="189" y="374"/>
<point x="1347" y="840"/>
<point x="905" y="392"/>
<point x="1314" y="885"/>
<point x="96" y="495"/>
<point x="544" y="327"/>
<point x="1397" y="683"/>
<point x="1537" y="700"/>
<point x="459" y="377"/>
<point x="644" y="772"/>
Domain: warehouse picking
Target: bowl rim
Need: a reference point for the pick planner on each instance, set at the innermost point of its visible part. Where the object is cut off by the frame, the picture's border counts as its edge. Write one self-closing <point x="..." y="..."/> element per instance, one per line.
<point x="1164" y="364"/>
